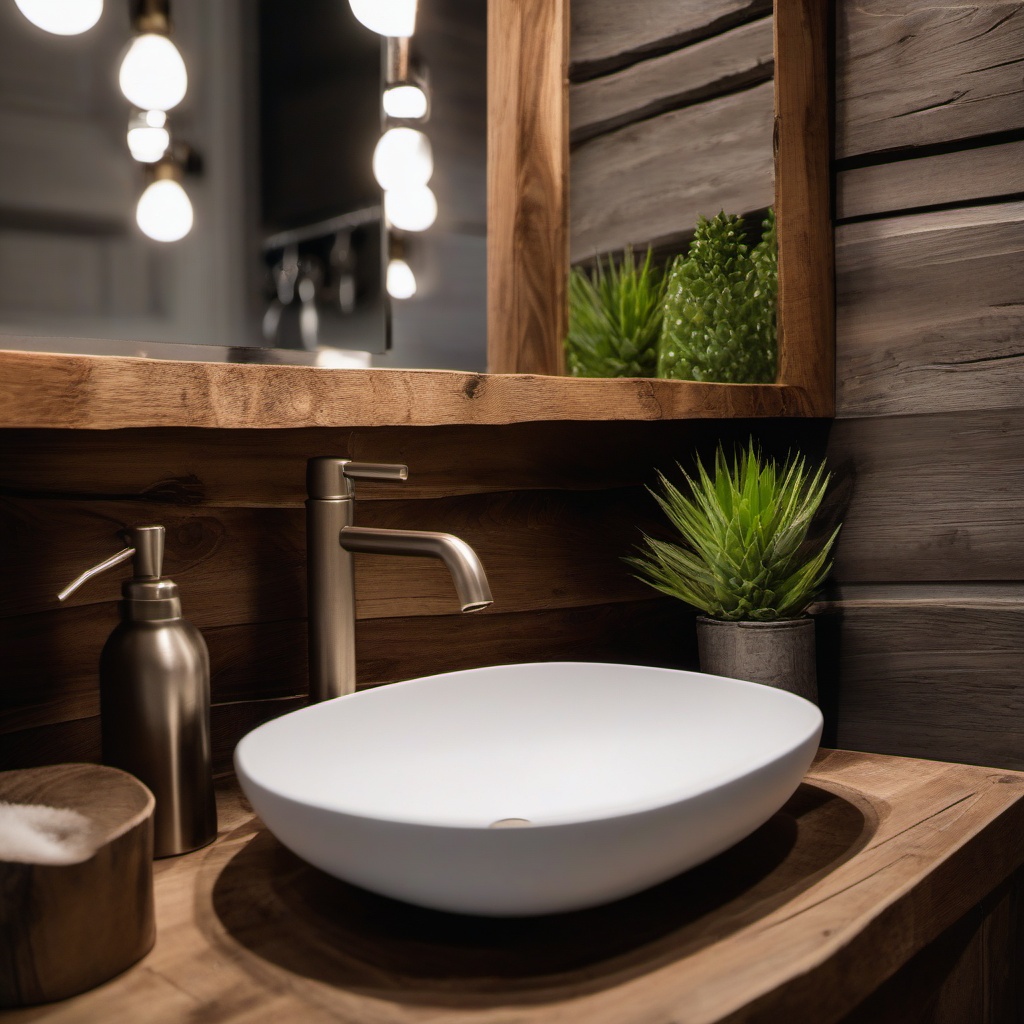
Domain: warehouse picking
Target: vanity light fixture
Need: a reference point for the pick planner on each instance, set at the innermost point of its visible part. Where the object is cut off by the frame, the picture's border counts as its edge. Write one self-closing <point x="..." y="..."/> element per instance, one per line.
<point x="405" y="102"/>
<point x="62" y="17"/>
<point x="394" y="18"/>
<point x="148" y="137"/>
<point x="402" y="159"/>
<point x="153" y="75"/>
<point x="164" y="211"/>
<point x="410" y="209"/>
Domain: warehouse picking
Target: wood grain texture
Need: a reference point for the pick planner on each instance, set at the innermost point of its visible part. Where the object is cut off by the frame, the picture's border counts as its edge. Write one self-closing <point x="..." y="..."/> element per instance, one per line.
<point x="606" y="34"/>
<point x="931" y="312"/>
<point x="803" y="146"/>
<point x="871" y="861"/>
<point x="959" y="177"/>
<point x="929" y="669"/>
<point x="934" y="497"/>
<point x="527" y="165"/>
<point x="918" y="74"/>
<point x="628" y="189"/>
<point x="736" y="59"/>
<point x="66" y="928"/>
<point x="109" y="392"/>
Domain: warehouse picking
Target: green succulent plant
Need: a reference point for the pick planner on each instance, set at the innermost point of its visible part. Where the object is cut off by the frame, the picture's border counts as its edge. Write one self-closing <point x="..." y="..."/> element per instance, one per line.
<point x="745" y="552"/>
<point x="720" y="306"/>
<point x="615" y="318"/>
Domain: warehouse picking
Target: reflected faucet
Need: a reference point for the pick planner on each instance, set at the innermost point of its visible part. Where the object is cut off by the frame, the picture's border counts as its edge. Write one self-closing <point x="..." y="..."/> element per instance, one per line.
<point x="331" y="540"/>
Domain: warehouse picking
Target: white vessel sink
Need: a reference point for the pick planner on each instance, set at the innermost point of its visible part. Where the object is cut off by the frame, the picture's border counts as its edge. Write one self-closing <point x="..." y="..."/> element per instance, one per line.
<point x="527" y="789"/>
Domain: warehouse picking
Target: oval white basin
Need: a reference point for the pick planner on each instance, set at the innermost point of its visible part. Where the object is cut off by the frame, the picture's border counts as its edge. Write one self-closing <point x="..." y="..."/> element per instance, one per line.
<point x="616" y="777"/>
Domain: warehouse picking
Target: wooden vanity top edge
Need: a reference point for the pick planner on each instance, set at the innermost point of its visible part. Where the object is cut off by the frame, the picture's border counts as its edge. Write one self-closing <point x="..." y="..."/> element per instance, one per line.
<point x="104" y="392"/>
<point x="939" y="838"/>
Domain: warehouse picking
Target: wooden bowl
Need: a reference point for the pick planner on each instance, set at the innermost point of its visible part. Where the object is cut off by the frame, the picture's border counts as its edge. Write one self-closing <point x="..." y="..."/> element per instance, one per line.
<point x="67" y="927"/>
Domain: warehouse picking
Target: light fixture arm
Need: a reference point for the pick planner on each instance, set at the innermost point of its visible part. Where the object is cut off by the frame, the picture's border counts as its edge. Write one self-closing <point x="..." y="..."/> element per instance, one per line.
<point x="150" y="16"/>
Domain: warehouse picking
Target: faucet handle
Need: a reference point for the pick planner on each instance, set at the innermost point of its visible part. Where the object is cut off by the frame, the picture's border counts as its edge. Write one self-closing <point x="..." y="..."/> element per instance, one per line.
<point x="330" y="478"/>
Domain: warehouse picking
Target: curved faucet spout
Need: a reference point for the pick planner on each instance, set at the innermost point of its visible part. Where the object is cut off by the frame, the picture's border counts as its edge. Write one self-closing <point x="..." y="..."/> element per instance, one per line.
<point x="462" y="561"/>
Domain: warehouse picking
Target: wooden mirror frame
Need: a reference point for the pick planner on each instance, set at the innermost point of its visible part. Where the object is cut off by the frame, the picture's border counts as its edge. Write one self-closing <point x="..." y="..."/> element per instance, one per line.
<point x="528" y="190"/>
<point x="528" y="262"/>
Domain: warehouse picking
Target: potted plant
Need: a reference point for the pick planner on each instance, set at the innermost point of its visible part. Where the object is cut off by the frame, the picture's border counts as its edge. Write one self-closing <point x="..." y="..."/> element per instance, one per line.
<point x="747" y="561"/>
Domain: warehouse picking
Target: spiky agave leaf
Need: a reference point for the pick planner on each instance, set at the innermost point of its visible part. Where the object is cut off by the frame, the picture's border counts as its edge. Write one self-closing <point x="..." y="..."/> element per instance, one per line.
<point x="745" y="553"/>
<point x="615" y="318"/>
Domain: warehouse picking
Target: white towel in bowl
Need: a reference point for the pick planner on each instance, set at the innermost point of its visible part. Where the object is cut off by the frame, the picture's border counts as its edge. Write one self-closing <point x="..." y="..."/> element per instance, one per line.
<point x="36" y="834"/>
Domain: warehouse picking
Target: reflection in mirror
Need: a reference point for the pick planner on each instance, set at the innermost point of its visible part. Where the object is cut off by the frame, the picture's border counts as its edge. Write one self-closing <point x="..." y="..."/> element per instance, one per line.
<point x="211" y="174"/>
<point x="672" y="188"/>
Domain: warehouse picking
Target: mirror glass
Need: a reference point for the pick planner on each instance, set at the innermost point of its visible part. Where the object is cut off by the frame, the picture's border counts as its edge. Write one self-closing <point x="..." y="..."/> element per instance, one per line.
<point x="671" y="122"/>
<point x="211" y="174"/>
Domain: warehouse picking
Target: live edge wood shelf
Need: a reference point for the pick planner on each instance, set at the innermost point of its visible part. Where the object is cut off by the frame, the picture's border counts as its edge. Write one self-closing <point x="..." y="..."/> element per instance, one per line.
<point x="838" y="909"/>
<point x="40" y="389"/>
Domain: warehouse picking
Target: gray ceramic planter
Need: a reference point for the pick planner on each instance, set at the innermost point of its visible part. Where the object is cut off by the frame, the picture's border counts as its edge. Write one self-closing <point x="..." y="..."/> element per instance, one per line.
<point x="777" y="654"/>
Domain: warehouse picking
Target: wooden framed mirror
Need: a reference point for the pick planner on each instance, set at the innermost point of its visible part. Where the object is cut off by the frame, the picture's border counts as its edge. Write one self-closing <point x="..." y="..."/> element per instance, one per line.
<point x="528" y="261"/>
<point x="529" y="175"/>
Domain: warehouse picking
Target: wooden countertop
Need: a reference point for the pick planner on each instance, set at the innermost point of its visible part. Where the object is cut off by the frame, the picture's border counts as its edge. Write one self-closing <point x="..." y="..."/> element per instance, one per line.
<point x="105" y="392"/>
<point x="872" y="860"/>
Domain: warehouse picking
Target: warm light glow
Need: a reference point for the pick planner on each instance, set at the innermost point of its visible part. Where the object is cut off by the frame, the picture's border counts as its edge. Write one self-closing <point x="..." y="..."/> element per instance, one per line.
<point x="410" y="209"/>
<point x="395" y="18"/>
<point x="403" y="159"/>
<point x="153" y="75"/>
<point x="164" y="212"/>
<point x="401" y="281"/>
<point x="341" y="359"/>
<point x="148" y="141"/>
<point x="62" y="17"/>
<point x="406" y="102"/>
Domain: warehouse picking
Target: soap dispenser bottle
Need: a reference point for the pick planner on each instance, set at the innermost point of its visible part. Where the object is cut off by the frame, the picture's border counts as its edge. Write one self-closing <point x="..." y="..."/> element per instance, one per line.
<point x="155" y="697"/>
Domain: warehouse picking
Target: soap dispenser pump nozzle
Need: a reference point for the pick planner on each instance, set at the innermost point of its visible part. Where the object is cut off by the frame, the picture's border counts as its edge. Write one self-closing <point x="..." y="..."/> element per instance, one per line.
<point x="145" y="545"/>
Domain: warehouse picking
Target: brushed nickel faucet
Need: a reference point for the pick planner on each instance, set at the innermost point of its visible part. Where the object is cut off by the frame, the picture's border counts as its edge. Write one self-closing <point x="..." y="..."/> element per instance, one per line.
<point x="331" y="540"/>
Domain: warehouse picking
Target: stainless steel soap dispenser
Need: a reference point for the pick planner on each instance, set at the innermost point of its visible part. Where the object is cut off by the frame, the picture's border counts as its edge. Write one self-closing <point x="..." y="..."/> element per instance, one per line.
<point x="155" y="697"/>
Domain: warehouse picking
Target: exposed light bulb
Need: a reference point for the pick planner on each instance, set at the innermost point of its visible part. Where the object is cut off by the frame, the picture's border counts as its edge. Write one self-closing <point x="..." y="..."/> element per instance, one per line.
<point x="403" y="159"/>
<point x="410" y="209"/>
<point x="394" y="18"/>
<point x="153" y="75"/>
<point x="164" y="212"/>
<point x="401" y="281"/>
<point x="148" y="138"/>
<point x="62" y="17"/>
<point x="406" y="102"/>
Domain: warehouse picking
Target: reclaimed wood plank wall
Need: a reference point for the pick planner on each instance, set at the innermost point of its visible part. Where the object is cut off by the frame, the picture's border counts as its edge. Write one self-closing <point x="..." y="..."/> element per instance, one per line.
<point x="670" y="114"/>
<point x="929" y="632"/>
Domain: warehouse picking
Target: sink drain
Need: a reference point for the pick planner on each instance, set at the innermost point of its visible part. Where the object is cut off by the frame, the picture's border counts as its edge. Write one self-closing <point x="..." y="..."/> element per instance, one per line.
<point x="510" y="823"/>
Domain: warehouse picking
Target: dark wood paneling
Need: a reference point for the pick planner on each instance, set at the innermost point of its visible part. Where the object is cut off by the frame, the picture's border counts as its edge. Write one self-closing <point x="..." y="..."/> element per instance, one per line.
<point x="628" y="187"/>
<point x="606" y="34"/>
<point x="929" y="671"/>
<point x="736" y="59"/>
<point x="931" y="312"/>
<point x="963" y="176"/>
<point x="935" y="497"/>
<point x="918" y="74"/>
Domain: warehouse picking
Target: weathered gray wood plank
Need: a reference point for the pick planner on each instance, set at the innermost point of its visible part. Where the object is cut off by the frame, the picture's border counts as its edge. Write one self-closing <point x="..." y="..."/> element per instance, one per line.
<point x="647" y="183"/>
<point x="739" y="57"/>
<point x="929" y="671"/>
<point x="964" y="176"/>
<point x="607" y="33"/>
<point x="931" y="312"/>
<point x="911" y="74"/>
<point x="934" y="498"/>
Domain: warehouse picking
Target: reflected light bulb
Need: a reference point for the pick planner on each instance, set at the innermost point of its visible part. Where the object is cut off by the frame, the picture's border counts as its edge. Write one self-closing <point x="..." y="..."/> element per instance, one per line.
<point x="403" y="159"/>
<point x="407" y="102"/>
<point x="153" y="75"/>
<point x="395" y="18"/>
<point x="401" y="281"/>
<point x="164" y="212"/>
<point x="62" y="17"/>
<point x="148" y="139"/>
<point x="410" y="209"/>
